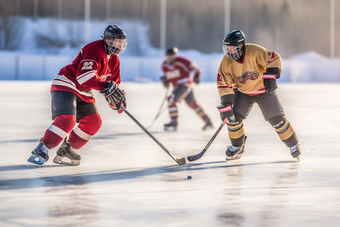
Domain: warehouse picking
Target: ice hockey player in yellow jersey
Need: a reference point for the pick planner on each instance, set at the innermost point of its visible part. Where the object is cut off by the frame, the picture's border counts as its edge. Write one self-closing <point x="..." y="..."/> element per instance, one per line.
<point x="247" y="75"/>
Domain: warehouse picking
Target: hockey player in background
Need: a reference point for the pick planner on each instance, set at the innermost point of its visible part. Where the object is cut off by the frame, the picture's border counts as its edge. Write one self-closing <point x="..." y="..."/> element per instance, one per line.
<point x="177" y="72"/>
<point x="247" y="75"/>
<point x="97" y="66"/>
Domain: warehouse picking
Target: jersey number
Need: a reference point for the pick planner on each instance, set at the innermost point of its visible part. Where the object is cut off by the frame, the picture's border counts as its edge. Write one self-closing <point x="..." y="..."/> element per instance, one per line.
<point x="87" y="65"/>
<point x="172" y="74"/>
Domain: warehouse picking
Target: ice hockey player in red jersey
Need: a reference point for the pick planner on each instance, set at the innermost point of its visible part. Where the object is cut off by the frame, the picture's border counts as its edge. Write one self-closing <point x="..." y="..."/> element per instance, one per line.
<point x="177" y="71"/>
<point x="97" y="66"/>
<point x="247" y="75"/>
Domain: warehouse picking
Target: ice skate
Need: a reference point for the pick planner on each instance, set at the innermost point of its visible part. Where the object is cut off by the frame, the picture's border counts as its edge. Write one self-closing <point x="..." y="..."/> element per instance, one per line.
<point x="295" y="151"/>
<point x="208" y="125"/>
<point x="172" y="125"/>
<point x="67" y="151"/>
<point x="234" y="153"/>
<point x="39" y="154"/>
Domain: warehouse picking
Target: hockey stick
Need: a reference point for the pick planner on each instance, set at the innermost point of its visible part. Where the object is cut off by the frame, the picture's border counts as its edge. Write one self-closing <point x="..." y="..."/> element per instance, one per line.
<point x="199" y="155"/>
<point x="160" y="110"/>
<point x="180" y="161"/>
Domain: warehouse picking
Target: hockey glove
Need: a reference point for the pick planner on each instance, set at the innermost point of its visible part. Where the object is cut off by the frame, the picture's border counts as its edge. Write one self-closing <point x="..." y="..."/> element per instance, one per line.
<point x="269" y="82"/>
<point x="114" y="96"/>
<point x="197" y="78"/>
<point x="165" y="81"/>
<point x="226" y="111"/>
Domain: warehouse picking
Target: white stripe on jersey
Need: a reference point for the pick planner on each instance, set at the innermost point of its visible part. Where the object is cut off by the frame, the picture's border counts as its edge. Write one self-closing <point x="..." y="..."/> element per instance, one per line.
<point x="183" y="66"/>
<point x="86" y="76"/>
<point x="183" y="81"/>
<point x="58" y="131"/>
<point x="180" y="64"/>
<point x="63" y="81"/>
<point x="81" y="134"/>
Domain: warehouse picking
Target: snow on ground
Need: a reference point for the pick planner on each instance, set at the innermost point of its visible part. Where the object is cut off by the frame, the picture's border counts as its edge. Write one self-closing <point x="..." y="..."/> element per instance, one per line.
<point x="140" y="62"/>
<point x="126" y="179"/>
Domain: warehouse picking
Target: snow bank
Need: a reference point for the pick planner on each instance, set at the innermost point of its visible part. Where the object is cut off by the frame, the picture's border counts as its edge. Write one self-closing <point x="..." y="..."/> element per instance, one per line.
<point x="140" y="62"/>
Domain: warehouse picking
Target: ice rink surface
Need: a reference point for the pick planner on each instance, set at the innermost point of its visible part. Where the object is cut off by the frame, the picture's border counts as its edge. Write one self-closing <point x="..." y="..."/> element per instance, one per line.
<point x="126" y="179"/>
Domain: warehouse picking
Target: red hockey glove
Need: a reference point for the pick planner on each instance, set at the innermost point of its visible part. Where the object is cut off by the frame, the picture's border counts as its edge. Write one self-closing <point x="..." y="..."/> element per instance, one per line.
<point x="226" y="111"/>
<point x="114" y="96"/>
<point x="269" y="82"/>
<point x="165" y="81"/>
<point x="121" y="104"/>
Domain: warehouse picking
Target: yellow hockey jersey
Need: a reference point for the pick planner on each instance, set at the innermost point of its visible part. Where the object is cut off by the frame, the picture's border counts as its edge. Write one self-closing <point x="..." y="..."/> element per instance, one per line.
<point x="246" y="75"/>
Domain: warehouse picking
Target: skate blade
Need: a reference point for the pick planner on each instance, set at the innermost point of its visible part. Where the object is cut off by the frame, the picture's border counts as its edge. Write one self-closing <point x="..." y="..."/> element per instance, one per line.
<point x="296" y="155"/>
<point x="235" y="157"/>
<point x="58" y="160"/>
<point x="206" y="128"/>
<point x="36" y="160"/>
<point x="170" y="128"/>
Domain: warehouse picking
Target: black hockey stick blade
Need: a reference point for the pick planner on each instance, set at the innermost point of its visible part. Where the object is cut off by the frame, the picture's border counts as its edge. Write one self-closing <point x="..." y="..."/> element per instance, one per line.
<point x="180" y="161"/>
<point x="199" y="155"/>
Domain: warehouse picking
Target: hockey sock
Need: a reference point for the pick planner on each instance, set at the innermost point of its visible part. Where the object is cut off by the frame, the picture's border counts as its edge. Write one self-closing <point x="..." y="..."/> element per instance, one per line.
<point x="88" y="127"/>
<point x="58" y="130"/>
<point x="285" y="130"/>
<point x="236" y="134"/>
<point x="200" y="112"/>
<point x="173" y="111"/>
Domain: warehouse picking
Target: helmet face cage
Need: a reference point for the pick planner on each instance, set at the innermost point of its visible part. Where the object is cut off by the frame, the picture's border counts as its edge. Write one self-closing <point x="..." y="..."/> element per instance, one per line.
<point x="115" y="39"/>
<point x="233" y="52"/>
<point x="115" y="46"/>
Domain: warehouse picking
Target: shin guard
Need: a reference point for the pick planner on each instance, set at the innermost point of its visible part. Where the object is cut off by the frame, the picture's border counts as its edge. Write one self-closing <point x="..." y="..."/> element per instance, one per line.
<point x="285" y="130"/>
<point x="58" y="130"/>
<point x="199" y="111"/>
<point x="173" y="111"/>
<point x="236" y="134"/>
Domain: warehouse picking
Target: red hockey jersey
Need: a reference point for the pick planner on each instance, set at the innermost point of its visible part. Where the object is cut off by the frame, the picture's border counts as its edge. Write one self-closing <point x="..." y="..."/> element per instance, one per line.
<point x="91" y="69"/>
<point x="179" y="72"/>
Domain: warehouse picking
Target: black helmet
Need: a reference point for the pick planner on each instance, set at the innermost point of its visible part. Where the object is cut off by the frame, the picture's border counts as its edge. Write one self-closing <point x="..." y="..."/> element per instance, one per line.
<point x="171" y="51"/>
<point x="112" y="33"/>
<point x="232" y="44"/>
<point x="234" y="37"/>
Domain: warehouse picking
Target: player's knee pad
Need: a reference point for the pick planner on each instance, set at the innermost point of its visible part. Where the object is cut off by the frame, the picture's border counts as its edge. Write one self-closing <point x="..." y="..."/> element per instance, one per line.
<point x="90" y="124"/>
<point x="284" y="129"/>
<point x="65" y="122"/>
<point x="171" y="99"/>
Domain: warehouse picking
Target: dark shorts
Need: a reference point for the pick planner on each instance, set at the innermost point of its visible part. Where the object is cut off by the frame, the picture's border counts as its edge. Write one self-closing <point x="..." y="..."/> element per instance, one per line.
<point x="269" y="104"/>
<point x="183" y="92"/>
<point x="68" y="103"/>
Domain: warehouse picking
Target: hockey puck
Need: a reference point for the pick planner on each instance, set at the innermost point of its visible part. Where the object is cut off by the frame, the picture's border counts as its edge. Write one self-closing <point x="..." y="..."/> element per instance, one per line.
<point x="189" y="177"/>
